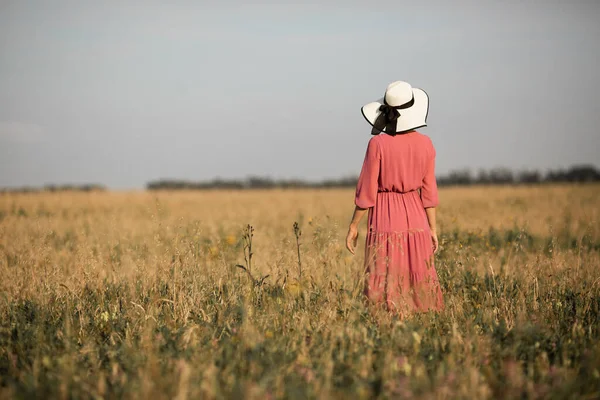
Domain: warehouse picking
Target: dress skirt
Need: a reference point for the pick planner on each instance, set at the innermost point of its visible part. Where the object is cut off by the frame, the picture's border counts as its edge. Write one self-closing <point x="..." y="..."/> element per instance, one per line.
<point x="400" y="271"/>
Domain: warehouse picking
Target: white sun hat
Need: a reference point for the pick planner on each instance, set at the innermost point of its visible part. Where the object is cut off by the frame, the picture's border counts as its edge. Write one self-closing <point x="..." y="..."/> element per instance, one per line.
<point x="402" y="109"/>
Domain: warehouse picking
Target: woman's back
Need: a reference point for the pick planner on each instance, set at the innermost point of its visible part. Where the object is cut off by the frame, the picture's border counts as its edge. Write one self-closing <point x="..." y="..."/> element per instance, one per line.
<point x="399" y="164"/>
<point x="405" y="160"/>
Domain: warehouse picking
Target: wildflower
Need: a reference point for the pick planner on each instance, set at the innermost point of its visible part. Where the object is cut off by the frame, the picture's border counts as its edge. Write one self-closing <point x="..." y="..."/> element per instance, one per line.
<point x="406" y="368"/>
<point x="363" y="393"/>
<point x="294" y="288"/>
<point x="104" y="316"/>
<point x="416" y="342"/>
<point x="231" y="240"/>
<point x="417" y="337"/>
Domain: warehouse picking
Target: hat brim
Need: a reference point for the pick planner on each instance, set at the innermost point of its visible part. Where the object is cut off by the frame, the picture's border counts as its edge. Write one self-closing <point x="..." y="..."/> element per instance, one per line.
<point x="410" y="118"/>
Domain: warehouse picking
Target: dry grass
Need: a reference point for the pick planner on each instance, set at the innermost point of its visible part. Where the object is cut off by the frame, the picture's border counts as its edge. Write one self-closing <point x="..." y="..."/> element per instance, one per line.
<point x="137" y="295"/>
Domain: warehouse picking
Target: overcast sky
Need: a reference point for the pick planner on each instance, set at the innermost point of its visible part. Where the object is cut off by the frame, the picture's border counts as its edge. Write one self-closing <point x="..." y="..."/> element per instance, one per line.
<point x="123" y="92"/>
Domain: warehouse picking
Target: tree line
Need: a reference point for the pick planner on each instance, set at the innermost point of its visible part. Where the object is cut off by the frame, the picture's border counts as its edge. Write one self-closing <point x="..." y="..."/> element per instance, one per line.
<point x="504" y="176"/>
<point x="497" y="176"/>
<point x="87" y="187"/>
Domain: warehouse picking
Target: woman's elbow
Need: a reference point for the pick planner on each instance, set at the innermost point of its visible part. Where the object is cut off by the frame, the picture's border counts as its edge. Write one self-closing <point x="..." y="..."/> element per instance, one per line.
<point x="364" y="202"/>
<point x="429" y="201"/>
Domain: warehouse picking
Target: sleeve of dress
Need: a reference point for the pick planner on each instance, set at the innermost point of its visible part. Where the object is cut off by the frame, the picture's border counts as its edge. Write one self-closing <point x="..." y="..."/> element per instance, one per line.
<point x="368" y="181"/>
<point x="429" y="191"/>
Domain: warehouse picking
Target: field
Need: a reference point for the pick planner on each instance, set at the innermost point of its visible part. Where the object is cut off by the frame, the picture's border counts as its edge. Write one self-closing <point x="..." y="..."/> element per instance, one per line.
<point x="138" y="295"/>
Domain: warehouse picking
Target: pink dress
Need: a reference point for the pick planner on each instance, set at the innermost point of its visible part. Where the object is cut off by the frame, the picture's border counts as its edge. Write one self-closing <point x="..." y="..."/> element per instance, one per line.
<point x="396" y="184"/>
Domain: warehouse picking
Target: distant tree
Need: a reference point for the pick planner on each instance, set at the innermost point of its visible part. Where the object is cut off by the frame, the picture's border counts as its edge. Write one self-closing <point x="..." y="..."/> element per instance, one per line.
<point x="460" y="177"/>
<point x="501" y="176"/>
<point x="556" y="176"/>
<point x="582" y="173"/>
<point x="529" y="177"/>
<point x="483" y="177"/>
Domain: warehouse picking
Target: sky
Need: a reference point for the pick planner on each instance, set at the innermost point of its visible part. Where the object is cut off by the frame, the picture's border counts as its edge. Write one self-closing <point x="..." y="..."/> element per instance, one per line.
<point x="121" y="93"/>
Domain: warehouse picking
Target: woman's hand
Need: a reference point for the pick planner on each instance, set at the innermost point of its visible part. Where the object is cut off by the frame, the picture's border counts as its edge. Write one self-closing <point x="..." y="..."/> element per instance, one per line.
<point x="352" y="238"/>
<point x="434" y="241"/>
<point x="353" y="229"/>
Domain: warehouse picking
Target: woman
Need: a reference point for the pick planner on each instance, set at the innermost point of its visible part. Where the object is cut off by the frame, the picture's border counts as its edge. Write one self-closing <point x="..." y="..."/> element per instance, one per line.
<point x="397" y="186"/>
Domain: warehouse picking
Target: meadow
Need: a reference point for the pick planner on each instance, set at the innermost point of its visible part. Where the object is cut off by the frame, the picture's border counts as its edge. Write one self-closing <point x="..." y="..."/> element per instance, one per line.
<point x="219" y="294"/>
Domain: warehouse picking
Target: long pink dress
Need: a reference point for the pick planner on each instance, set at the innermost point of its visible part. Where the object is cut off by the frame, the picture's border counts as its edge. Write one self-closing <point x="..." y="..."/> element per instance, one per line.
<point x="396" y="184"/>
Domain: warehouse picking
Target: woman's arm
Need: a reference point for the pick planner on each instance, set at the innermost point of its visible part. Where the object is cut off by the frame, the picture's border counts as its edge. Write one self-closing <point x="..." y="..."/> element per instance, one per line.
<point x="352" y="236"/>
<point x="429" y="196"/>
<point x="366" y="191"/>
<point x="430" y="211"/>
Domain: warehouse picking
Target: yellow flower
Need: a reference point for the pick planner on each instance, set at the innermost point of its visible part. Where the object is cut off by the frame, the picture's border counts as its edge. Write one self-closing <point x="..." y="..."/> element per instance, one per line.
<point x="363" y="393"/>
<point x="417" y="337"/>
<point x="294" y="288"/>
<point x="269" y="334"/>
<point x="417" y="341"/>
<point x="406" y="368"/>
<point x="104" y="316"/>
<point x="231" y="240"/>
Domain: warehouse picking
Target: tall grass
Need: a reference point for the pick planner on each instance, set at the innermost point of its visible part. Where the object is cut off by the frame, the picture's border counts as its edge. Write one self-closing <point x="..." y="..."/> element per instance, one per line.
<point x="141" y="295"/>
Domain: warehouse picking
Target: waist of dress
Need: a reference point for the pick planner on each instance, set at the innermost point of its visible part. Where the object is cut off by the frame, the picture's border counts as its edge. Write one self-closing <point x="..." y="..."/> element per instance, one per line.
<point x="397" y="191"/>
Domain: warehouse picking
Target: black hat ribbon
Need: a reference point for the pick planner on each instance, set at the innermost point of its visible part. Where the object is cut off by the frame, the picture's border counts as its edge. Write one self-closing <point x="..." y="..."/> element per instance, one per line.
<point x="388" y="117"/>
